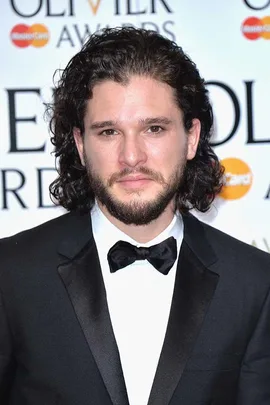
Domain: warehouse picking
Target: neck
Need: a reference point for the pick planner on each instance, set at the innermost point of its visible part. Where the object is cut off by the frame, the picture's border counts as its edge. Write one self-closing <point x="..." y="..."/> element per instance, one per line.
<point x="142" y="233"/>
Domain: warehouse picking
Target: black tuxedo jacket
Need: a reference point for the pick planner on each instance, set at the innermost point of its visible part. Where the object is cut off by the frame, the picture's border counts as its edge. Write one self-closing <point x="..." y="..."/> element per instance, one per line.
<point x="56" y="340"/>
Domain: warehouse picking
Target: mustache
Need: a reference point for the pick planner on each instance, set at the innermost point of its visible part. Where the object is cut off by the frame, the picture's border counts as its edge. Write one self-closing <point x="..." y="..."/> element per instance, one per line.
<point x="141" y="170"/>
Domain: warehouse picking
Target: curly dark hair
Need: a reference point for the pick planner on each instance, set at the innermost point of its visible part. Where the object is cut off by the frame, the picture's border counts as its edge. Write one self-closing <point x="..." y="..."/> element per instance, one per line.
<point x="116" y="54"/>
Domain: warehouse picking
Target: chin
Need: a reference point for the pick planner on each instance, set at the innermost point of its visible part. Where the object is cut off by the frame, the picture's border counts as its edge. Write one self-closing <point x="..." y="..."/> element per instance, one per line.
<point x="135" y="199"/>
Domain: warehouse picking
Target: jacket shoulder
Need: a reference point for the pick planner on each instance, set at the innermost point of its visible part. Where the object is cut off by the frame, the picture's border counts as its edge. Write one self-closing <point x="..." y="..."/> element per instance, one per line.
<point x="42" y="238"/>
<point x="222" y="241"/>
<point x="225" y="254"/>
<point x="237" y="255"/>
<point x="30" y="235"/>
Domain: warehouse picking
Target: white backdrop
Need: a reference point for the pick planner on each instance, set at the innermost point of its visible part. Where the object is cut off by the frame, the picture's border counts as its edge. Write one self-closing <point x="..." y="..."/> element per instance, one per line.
<point x="229" y="41"/>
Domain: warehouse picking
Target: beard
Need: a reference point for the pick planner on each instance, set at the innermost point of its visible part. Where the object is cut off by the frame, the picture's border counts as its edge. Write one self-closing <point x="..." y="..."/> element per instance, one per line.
<point x="137" y="211"/>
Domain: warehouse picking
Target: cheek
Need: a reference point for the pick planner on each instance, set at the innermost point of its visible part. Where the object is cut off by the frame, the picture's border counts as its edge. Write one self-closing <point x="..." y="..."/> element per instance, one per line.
<point x="100" y="159"/>
<point x="167" y="156"/>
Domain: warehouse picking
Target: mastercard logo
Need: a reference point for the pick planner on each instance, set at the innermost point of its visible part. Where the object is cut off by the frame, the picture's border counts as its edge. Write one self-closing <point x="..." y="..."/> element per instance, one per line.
<point x="255" y="28"/>
<point x="23" y="35"/>
<point x="237" y="179"/>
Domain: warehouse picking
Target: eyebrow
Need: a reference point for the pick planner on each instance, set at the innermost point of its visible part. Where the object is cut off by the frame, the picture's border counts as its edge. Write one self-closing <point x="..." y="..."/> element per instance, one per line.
<point x="155" y="120"/>
<point x="103" y="124"/>
<point x="143" y="121"/>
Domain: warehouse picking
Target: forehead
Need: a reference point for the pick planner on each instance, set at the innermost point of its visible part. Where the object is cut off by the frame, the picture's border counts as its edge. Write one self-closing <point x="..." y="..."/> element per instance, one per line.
<point x="140" y="96"/>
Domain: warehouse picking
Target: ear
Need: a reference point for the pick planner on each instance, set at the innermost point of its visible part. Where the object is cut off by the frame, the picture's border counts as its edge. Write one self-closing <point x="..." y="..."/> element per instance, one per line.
<point x="193" y="138"/>
<point x="78" y="138"/>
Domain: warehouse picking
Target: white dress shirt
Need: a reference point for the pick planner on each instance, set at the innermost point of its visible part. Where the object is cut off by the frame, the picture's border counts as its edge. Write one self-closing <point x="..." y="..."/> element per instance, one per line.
<point x="139" y="300"/>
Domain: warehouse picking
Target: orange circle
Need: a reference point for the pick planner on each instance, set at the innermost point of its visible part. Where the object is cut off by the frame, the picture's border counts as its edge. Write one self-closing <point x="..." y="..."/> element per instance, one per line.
<point x="252" y="28"/>
<point x="40" y="35"/>
<point x="238" y="179"/>
<point x="266" y="27"/>
<point x="20" y="35"/>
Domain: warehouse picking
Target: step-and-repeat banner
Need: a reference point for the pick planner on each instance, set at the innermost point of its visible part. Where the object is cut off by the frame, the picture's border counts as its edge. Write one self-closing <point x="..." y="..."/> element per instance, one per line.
<point x="228" y="40"/>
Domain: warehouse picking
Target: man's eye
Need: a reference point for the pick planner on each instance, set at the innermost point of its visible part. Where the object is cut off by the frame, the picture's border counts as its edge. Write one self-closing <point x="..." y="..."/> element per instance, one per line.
<point x="108" y="132"/>
<point x="155" y="129"/>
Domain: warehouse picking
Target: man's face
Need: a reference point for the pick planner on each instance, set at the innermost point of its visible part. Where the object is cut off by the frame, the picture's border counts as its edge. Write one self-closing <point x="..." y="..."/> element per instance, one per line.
<point x="135" y="147"/>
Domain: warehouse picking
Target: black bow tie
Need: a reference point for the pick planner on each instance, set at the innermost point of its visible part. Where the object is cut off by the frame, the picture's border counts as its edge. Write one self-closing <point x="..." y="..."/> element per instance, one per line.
<point x="161" y="256"/>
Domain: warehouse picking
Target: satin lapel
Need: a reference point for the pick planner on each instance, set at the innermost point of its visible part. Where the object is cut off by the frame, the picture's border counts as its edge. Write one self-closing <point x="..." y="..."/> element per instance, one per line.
<point x="193" y="291"/>
<point x="84" y="283"/>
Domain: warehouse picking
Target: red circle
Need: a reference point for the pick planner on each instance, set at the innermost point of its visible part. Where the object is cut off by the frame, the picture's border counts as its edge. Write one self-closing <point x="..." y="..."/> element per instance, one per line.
<point x="252" y="28"/>
<point x="20" y="35"/>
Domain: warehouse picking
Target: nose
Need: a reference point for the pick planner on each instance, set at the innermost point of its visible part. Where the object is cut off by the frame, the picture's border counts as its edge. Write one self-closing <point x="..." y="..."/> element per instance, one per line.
<point x="132" y="152"/>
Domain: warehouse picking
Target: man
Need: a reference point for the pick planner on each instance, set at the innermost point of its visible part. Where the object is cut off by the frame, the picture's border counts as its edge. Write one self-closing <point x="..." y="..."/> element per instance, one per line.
<point x="129" y="299"/>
